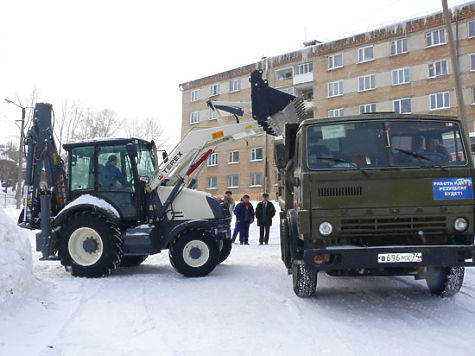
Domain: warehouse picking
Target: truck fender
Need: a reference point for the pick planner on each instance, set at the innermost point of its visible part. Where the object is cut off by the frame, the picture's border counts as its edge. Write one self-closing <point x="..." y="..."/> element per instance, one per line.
<point x="190" y="224"/>
<point x="296" y="245"/>
<point x="88" y="202"/>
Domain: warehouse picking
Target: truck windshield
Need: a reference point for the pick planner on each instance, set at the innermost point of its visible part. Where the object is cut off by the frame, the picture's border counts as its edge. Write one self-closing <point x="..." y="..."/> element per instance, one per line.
<point x="391" y="143"/>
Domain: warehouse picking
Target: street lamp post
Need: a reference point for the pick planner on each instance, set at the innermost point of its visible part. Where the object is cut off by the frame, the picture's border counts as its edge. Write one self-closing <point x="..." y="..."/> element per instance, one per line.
<point x="20" y="155"/>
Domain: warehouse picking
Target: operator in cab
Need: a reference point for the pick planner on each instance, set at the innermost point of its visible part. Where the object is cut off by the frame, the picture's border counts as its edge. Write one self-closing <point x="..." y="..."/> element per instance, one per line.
<point x="111" y="176"/>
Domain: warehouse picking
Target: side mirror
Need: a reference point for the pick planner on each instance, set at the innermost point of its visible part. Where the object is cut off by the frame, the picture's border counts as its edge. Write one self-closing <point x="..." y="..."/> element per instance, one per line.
<point x="131" y="149"/>
<point x="279" y="155"/>
<point x="164" y="155"/>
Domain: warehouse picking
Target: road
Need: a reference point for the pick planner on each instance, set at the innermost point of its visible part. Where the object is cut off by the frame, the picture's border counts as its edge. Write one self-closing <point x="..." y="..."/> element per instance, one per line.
<point x="245" y="307"/>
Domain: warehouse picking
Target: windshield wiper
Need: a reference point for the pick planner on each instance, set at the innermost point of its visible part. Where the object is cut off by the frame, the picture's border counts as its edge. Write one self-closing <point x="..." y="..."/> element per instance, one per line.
<point x="419" y="156"/>
<point x="413" y="154"/>
<point x="340" y="160"/>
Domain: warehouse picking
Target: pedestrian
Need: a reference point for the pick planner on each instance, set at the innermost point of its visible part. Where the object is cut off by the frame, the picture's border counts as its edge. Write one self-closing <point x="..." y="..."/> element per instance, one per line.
<point x="236" y="229"/>
<point x="244" y="216"/>
<point x="265" y="211"/>
<point x="229" y="201"/>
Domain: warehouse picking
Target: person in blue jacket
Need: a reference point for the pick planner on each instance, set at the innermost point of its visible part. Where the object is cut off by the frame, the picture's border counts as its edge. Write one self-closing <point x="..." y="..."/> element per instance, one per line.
<point x="244" y="217"/>
<point x="111" y="176"/>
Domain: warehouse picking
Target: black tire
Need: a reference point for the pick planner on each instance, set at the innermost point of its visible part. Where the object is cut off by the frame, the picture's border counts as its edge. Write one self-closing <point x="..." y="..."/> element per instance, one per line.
<point x="105" y="238"/>
<point x="304" y="281"/>
<point x="285" y="243"/>
<point x="227" y="246"/>
<point x="132" y="261"/>
<point x="445" y="281"/>
<point x="194" y="253"/>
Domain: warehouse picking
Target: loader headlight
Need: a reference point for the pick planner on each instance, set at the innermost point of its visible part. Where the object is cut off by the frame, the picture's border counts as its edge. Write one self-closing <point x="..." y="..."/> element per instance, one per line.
<point x="325" y="228"/>
<point x="460" y="224"/>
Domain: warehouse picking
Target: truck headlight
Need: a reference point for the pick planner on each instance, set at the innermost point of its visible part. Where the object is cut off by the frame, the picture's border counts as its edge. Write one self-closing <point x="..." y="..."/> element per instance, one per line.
<point x="325" y="228"/>
<point x="460" y="224"/>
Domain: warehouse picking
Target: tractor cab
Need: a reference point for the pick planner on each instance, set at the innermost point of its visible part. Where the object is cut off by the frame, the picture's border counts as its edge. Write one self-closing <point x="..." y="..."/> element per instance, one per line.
<point x="115" y="170"/>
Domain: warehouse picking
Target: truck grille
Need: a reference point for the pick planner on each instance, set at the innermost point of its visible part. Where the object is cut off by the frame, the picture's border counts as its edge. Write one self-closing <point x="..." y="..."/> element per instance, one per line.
<point x="400" y="226"/>
<point x="340" y="191"/>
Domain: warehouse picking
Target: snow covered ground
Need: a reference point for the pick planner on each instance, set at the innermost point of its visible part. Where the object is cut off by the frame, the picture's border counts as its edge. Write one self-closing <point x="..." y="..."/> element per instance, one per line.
<point x="246" y="306"/>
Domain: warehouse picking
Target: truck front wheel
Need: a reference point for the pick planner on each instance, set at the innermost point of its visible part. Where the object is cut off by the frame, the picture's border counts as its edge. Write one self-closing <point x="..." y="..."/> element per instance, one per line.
<point x="194" y="253"/>
<point x="444" y="281"/>
<point x="90" y="244"/>
<point x="304" y="280"/>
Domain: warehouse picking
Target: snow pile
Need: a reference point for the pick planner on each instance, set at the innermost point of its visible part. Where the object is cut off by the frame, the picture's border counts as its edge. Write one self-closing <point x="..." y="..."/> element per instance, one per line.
<point x="16" y="272"/>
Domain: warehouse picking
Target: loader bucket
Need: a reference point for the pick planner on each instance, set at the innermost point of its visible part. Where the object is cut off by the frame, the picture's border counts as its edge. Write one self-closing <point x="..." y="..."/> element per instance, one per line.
<point x="272" y="108"/>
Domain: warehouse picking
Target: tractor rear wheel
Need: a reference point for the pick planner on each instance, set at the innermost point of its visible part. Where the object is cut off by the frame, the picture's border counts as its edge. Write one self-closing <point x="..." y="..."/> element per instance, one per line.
<point x="194" y="253"/>
<point x="226" y="247"/>
<point x="90" y="244"/>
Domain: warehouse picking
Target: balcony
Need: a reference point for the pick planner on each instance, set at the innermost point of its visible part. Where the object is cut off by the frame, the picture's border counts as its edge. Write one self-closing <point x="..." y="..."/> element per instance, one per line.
<point x="303" y="78"/>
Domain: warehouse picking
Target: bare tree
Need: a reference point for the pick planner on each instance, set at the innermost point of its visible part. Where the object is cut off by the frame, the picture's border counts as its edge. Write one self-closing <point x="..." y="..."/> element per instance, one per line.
<point x="72" y="112"/>
<point x="147" y="129"/>
<point x="97" y="124"/>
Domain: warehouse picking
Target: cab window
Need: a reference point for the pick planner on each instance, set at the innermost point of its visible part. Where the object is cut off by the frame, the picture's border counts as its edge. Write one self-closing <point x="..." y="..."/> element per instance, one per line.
<point x="82" y="168"/>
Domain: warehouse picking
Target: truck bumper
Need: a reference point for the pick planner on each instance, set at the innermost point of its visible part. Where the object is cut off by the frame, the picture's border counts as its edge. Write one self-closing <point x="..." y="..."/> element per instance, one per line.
<point x="352" y="257"/>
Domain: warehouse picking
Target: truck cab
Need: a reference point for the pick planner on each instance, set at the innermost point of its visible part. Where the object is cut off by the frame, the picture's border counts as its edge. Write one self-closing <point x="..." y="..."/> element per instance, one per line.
<point x="379" y="194"/>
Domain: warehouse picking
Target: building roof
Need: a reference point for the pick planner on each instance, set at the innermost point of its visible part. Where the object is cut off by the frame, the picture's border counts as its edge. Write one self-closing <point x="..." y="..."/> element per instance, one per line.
<point x="394" y="30"/>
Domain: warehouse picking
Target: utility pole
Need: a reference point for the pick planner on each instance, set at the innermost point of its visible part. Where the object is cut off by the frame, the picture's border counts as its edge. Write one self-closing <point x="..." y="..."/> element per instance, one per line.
<point x="20" y="153"/>
<point x="455" y="68"/>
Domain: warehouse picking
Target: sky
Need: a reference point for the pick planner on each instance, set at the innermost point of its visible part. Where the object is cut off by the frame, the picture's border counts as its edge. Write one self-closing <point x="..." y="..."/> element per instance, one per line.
<point x="131" y="56"/>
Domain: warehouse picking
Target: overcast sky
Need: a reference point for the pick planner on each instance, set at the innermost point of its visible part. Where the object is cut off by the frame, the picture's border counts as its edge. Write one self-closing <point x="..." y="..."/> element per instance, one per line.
<point x="130" y="56"/>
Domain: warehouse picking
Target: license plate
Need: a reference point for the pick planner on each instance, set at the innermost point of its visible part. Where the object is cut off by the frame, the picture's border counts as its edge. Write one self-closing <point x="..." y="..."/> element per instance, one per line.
<point x="406" y="257"/>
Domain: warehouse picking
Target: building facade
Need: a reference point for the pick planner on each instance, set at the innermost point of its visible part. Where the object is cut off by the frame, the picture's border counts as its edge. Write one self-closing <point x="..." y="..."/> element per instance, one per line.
<point x="405" y="68"/>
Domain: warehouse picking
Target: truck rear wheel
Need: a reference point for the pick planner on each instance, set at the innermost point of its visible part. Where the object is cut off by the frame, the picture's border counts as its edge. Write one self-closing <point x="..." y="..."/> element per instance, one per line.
<point x="91" y="244"/>
<point x="304" y="281"/>
<point x="194" y="253"/>
<point x="132" y="261"/>
<point x="445" y="281"/>
<point x="225" y="251"/>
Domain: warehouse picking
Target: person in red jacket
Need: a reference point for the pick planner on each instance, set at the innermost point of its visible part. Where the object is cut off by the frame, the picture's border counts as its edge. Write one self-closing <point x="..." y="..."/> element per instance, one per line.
<point x="244" y="212"/>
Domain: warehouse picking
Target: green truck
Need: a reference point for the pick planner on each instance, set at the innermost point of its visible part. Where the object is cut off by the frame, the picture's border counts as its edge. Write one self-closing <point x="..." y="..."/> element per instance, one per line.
<point x="378" y="194"/>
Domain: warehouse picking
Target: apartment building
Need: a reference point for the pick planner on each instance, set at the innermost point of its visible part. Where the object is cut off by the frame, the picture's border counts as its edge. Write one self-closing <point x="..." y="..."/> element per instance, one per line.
<point x="405" y="68"/>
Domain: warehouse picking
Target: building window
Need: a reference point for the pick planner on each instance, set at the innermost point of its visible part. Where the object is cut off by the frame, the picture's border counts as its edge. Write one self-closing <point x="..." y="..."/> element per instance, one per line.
<point x="304" y="68"/>
<point x="365" y="54"/>
<point x="233" y="181"/>
<point x="367" y="108"/>
<point x="288" y="90"/>
<point x="435" y="38"/>
<point x="276" y="178"/>
<point x="256" y="154"/>
<point x="336" y="112"/>
<point x="211" y="114"/>
<point x="195" y="95"/>
<point x="400" y="76"/>
<point x="212" y="183"/>
<point x="471" y="29"/>
<point x="194" y="117"/>
<point x="473" y="96"/>
<point x="214" y="90"/>
<point x="398" y="46"/>
<point x="402" y="106"/>
<point x="439" y="101"/>
<point x="438" y="69"/>
<point x="233" y="157"/>
<point x="256" y="180"/>
<point x="213" y="160"/>
<point x="472" y="62"/>
<point x="335" y="88"/>
<point x="335" y="61"/>
<point x="234" y="85"/>
<point x="366" y="82"/>
<point x="284" y="74"/>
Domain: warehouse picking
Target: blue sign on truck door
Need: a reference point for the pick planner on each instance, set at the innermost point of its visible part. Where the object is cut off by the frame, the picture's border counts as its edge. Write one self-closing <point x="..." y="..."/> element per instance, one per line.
<point x="452" y="188"/>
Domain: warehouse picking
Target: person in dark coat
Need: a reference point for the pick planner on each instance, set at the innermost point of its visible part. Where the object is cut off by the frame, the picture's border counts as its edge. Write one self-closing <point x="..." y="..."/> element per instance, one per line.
<point x="111" y="177"/>
<point x="236" y="228"/>
<point x="265" y="211"/>
<point x="244" y="217"/>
